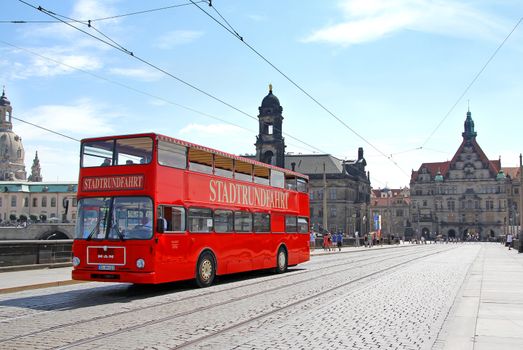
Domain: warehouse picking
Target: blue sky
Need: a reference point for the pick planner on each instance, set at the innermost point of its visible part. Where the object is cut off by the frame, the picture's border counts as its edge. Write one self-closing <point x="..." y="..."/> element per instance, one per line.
<point x="389" y="70"/>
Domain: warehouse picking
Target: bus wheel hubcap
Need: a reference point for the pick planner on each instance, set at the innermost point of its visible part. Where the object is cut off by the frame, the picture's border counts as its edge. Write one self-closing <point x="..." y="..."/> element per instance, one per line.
<point x="281" y="260"/>
<point x="206" y="270"/>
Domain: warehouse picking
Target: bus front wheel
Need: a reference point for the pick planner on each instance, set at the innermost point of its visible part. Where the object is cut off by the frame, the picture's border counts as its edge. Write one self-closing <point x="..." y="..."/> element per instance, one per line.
<point x="205" y="270"/>
<point x="281" y="260"/>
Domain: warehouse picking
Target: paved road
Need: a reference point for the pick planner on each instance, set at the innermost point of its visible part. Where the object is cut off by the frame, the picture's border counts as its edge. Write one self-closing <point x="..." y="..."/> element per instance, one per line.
<point x="393" y="299"/>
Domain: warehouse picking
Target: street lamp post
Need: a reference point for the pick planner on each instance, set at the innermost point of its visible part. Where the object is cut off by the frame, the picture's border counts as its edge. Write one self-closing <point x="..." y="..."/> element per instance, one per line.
<point x="520" y="248"/>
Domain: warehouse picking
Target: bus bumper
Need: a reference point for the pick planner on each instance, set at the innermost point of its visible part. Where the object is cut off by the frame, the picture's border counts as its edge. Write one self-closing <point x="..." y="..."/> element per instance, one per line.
<point x="115" y="276"/>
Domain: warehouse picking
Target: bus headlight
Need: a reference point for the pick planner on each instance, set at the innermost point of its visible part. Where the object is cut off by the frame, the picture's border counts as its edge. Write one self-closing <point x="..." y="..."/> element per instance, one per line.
<point x="140" y="263"/>
<point x="76" y="261"/>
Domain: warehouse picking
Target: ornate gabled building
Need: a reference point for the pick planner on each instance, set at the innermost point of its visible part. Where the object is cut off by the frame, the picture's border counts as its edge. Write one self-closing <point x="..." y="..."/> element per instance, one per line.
<point x="339" y="189"/>
<point x="463" y="198"/>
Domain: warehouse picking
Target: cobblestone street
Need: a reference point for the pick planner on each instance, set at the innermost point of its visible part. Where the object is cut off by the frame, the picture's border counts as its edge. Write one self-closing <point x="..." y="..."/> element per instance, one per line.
<point x="370" y="299"/>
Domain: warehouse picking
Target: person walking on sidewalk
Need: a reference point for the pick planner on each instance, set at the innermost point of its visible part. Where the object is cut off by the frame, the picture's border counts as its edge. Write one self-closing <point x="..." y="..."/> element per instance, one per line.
<point x="509" y="241"/>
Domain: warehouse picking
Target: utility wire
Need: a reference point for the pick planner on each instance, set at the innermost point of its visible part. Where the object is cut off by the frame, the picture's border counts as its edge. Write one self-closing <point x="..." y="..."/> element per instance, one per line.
<point x="126" y="87"/>
<point x="46" y="129"/>
<point x="235" y="34"/>
<point x="130" y="53"/>
<point x="104" y="18"/>
<point x="472" y="82"/>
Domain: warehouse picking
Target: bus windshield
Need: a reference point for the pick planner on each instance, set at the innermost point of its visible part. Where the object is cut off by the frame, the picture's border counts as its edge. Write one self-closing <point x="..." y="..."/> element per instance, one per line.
<point x="115" y="218"/>
<point x="136" y="150"/>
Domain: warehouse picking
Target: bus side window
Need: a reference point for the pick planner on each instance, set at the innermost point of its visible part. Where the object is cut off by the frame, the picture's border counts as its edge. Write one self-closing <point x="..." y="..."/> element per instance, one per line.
<point x="174" y="218"/>
<point x="262" y="222"/>
<point x="290" y="183"/>
<point x="302" y="185"/>
<point x="243" y="171"/>
<point x="242" y="221"/>
<point x="200" y="220"/>
<point x="223" y="166"/>
<point x="291" y="224"/>
<point x="171" y="154"/>
<point x="200" y="161"/>
<point x="303" y="225"/>
<point x="277" y="179"/>
<point x="261" y="175"/>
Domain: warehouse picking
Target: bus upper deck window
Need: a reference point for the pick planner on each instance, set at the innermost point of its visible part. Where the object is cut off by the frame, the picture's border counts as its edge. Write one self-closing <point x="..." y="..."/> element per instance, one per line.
<point x="97" y="153"/>
<point x="137" y="150"/>
<point x="290" y="183"/>
<point x="302" y="185"/>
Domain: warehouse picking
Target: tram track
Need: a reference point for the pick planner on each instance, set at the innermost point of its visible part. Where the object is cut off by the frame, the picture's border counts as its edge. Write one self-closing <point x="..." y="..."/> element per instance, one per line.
<point x="65" y="305"/>
<point x="88" y="340"/>
<point x="331" y="266"/>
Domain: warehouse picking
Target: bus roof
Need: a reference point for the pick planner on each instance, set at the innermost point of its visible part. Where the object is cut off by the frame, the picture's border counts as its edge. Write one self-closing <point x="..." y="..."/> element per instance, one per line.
<point x="200" y="147"/>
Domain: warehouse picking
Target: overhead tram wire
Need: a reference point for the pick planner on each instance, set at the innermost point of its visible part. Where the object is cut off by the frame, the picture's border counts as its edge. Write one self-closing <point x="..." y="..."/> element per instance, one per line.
<point x="106" y="18"/>
<point x="46" y="129"/>
<point x="472" y="82"/>
<point x="238" y="36"/>
<point x="130" y="53"/>
<point x="126" y="87"/>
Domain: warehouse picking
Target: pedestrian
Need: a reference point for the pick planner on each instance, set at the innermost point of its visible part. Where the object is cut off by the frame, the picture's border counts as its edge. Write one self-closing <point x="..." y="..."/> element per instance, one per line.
<point x="329" y="240"/>
<point x="325" y="241"/>
<point x="509" y="241"/>
<point x="340" y="240"/>
<point x="313" y="240"/>
<point x="356" y="239"/>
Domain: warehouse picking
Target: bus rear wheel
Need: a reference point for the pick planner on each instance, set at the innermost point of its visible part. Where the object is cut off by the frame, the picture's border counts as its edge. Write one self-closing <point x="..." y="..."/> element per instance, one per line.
<point x="205" y="270"/>
<point x="281" y="260"/>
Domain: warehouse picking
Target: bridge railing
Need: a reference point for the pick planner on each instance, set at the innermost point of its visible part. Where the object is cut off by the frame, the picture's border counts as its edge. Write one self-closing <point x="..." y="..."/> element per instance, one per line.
<point x="35" y="252"/>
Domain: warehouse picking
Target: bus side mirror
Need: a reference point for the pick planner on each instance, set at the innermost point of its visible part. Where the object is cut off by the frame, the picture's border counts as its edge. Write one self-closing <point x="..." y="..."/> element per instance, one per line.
<point x="159" y="225"/>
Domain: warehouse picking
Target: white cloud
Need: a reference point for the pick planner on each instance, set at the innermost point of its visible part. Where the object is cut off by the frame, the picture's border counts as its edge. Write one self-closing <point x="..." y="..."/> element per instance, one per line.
<point x="38" y="66"/>
<point x="138" y="73"/>
<point x="80" y="119"/>
<point x="177" y="37"/>
<point x="369" y="20"/>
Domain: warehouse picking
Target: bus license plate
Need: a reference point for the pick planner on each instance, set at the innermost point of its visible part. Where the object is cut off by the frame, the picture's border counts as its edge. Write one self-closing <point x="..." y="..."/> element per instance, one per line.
<point x="106" y="267"/>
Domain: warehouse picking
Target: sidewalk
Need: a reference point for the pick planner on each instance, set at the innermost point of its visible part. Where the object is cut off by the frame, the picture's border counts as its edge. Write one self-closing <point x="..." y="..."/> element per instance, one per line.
<point x="488" y="311"/>
<point x="15" y="281"/>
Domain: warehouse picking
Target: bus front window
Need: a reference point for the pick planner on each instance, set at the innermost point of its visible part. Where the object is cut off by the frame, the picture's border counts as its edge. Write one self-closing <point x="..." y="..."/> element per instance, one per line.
<point x="116" y="218"/>
<point x="93" y="214"/>
<point x="132" y="218"/>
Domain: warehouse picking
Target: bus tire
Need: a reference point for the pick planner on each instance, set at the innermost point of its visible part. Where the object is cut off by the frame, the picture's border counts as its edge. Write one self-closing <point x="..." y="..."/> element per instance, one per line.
<point x="205" y="270"/>
<point x="281" y="260"/>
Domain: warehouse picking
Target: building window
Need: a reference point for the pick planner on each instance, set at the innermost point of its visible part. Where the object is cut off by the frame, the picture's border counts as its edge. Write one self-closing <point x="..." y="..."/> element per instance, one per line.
<point x="424" y="202"/>
<point x="0" y="201"/>
<point x="13" y="201"/>
<point x="53" y="202"/>
<point x="35" y="202"/>
<point x="489" y="205"/>
<point x="451" y="205"/>
<point x="332" y="193"/>
<point x="332" y="212"/>
<point x="44" y="202"/>
<point x="26" y="202"/>
<point x="399" y="212"/>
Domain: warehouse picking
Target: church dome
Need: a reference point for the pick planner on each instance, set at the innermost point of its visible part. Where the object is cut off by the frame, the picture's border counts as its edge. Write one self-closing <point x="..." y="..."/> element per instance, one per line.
<point x="11" y="147"/>
<point x="270" y="100"/>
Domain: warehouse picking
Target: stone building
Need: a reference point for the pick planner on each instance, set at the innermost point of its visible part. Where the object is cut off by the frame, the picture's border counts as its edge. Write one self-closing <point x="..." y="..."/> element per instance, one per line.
<point x="339" y="189"/>
<point x="464" y="198"/>
<point x="391" y="209"/>
<point x="33" y="199"/>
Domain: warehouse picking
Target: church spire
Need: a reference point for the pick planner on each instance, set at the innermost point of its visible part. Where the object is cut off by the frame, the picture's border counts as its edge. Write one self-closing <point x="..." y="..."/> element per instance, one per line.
<point x="36" y="175"/>
<point x="469" y="132"/>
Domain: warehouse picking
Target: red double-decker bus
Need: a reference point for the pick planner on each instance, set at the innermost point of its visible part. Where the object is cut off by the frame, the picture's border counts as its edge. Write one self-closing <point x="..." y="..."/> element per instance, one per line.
<point x="154" y="209"/>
